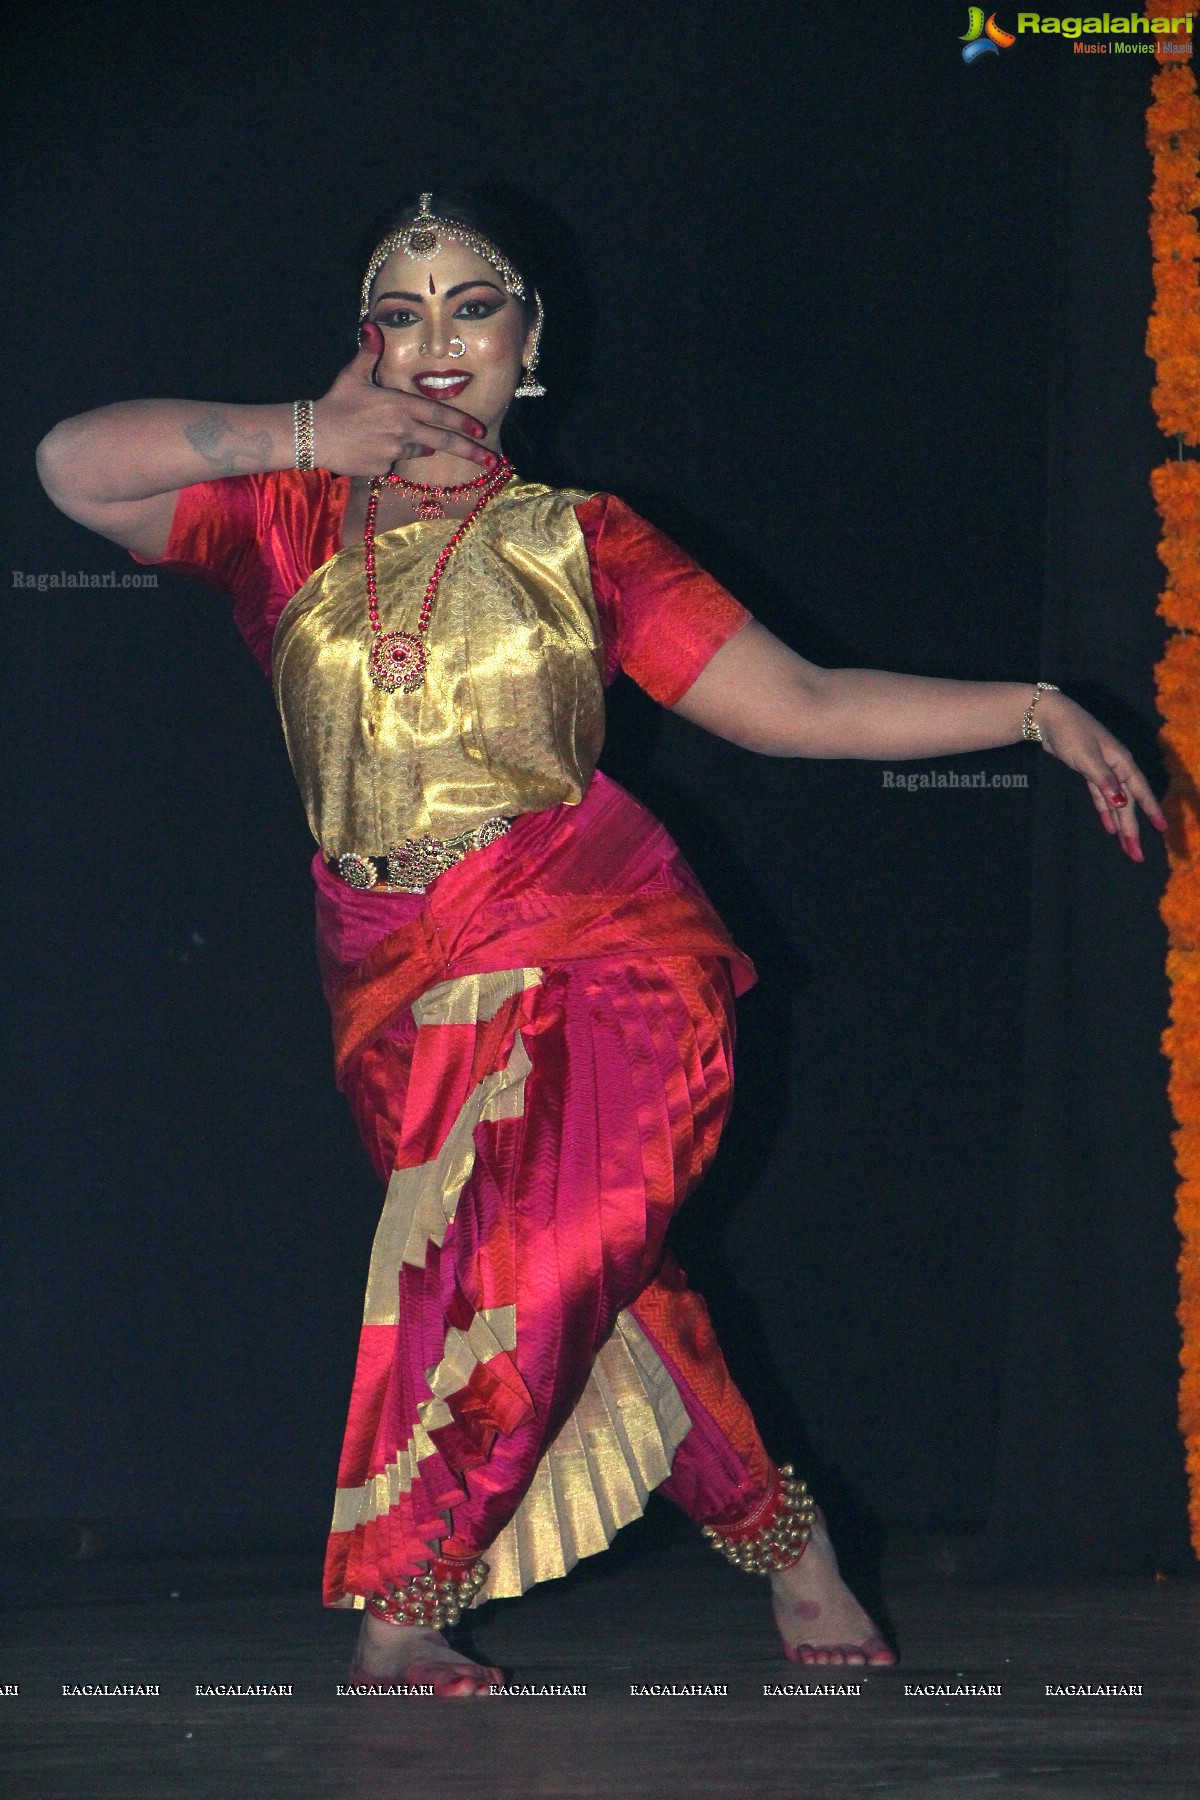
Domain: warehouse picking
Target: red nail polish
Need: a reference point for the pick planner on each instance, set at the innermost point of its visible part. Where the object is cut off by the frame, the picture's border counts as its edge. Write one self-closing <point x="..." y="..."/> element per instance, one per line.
<point x="370" y="337"/>
<point x="490" y="461"/>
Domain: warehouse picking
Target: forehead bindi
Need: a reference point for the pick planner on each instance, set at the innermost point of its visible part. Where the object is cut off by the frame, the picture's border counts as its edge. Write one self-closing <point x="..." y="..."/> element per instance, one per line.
<point x="417" y="281"/>
<point x="453" y="264"/>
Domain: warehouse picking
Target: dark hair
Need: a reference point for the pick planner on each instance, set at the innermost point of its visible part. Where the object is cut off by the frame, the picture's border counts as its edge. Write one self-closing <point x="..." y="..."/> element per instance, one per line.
<point x="543" y="250"/>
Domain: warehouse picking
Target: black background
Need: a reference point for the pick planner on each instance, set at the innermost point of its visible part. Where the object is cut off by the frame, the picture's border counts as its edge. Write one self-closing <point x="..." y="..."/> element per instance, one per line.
<point x="862" y="328"/>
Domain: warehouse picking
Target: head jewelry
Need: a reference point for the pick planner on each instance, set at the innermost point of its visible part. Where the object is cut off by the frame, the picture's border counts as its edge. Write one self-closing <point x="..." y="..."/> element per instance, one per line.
<point x="421" y="239"/>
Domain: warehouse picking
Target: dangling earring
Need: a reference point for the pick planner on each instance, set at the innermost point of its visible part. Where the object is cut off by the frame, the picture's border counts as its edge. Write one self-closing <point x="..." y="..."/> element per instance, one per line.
<point x="529" y="388"/>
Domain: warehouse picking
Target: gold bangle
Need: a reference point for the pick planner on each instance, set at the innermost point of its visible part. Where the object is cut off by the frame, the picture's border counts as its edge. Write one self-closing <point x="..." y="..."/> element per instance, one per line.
<point x="1029" y="726"/>
<point x="302" y="417"/>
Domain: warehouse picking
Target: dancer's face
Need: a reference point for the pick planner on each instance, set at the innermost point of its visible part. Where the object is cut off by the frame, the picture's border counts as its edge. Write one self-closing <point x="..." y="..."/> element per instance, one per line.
<point x="427" y="309"/>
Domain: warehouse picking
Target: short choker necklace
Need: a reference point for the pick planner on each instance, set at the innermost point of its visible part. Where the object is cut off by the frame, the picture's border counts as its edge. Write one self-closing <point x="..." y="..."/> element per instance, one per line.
<point x="429" y="496"/>
<point x="397" y="658"/>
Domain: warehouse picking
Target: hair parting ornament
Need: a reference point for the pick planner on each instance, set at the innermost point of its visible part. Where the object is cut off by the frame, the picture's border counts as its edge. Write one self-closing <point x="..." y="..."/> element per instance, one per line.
<point x="422" y="238"/>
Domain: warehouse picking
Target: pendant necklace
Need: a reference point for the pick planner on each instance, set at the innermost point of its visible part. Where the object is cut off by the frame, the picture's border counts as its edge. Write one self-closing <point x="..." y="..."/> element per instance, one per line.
<point x="397" y="658"/>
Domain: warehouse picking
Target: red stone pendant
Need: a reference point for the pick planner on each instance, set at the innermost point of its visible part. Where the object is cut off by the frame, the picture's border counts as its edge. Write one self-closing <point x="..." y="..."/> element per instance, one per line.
<point x="398" y="661"/>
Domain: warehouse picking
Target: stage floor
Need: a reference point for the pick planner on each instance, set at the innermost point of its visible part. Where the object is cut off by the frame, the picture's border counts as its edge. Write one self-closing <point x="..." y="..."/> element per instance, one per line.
<point x="679" y="1617"/>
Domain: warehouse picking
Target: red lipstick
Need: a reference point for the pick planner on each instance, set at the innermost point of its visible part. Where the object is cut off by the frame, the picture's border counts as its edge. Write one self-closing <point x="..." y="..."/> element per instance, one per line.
<point x="441" y="384"/>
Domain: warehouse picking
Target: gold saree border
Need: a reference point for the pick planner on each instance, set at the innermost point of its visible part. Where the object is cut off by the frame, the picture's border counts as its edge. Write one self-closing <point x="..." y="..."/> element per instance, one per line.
<point x="620" y="1440"/>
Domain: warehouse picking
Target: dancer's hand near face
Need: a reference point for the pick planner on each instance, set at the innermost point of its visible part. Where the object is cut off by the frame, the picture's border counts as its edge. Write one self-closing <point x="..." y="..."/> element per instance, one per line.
<point x="362" y="427"/>
<point x="118" y="470"/>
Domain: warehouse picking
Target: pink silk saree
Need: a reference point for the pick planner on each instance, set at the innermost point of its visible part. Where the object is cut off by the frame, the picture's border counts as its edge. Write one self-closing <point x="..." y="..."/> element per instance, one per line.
<point x="538" y="1054"/>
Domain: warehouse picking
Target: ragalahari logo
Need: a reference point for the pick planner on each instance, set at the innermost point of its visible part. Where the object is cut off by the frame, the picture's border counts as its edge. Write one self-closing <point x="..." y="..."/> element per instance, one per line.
<point x="983" y="38"/>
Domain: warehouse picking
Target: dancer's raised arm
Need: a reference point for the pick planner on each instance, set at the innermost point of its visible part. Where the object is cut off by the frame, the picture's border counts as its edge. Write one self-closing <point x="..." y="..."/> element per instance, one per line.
<point x="118" y="469"/>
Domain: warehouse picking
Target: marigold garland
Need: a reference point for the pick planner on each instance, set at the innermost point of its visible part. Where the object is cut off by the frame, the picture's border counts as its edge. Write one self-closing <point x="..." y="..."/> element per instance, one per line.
<point x="1173" y="341"/>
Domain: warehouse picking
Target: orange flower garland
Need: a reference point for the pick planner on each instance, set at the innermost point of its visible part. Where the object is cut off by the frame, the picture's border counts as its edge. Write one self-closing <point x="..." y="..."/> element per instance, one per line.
<point x="1173" y="341"/>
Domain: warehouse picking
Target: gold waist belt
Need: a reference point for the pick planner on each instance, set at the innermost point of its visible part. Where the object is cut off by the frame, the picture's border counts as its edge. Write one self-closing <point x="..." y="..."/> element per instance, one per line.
<point x="408" y="868"/>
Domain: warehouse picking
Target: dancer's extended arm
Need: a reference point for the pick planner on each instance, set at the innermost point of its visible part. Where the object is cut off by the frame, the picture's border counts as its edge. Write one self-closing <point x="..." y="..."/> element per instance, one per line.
<point x="758" y="693"/>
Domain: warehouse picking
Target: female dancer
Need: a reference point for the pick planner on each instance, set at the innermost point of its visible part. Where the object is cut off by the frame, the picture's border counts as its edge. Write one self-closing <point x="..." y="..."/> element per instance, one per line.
<point x="532" y="999"/>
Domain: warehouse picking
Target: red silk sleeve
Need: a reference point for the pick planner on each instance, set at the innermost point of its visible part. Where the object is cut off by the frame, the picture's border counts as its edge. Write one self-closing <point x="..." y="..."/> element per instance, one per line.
<point x="258" y="538"/>
<point x="664" y="617"/>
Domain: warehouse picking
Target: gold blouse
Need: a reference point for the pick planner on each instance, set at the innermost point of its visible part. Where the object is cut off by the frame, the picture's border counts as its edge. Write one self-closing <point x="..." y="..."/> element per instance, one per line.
<point x="510" y="718"/>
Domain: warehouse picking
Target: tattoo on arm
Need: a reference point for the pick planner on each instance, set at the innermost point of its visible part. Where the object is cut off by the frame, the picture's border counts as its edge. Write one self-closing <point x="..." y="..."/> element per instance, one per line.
<point x="226" y="451"/>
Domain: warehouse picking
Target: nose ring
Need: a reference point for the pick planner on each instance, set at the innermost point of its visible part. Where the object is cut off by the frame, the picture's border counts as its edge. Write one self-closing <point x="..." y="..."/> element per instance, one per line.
<point x="462" y="348"/>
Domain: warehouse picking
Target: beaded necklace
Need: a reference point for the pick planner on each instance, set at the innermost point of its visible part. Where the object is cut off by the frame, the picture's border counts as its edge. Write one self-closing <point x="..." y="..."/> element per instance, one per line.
<point x="397" y="658"/>
<point x="429" y="496"/>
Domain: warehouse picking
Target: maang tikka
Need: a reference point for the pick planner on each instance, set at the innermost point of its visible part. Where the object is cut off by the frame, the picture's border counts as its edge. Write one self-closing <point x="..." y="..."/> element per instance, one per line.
<point x="421" y="239"/>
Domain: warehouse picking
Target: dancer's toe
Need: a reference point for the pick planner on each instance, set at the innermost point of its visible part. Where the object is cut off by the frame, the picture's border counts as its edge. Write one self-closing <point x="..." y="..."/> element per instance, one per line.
<point x="419" y="1657"/>
<point x="812" y="1590"/>
<point x="455" y="1681"/>
<point x="873" y="1651"/>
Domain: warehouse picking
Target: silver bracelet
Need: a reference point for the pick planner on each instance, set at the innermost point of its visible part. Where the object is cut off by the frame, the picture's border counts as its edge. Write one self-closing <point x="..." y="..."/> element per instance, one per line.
<point x="306" y="452"/>
<point x="1029" y="727"/>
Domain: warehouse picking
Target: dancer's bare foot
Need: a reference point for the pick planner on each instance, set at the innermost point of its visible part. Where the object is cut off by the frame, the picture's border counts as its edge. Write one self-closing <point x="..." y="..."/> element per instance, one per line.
<point x="818" y="1617"/>
<point x="417" y="1655"/>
